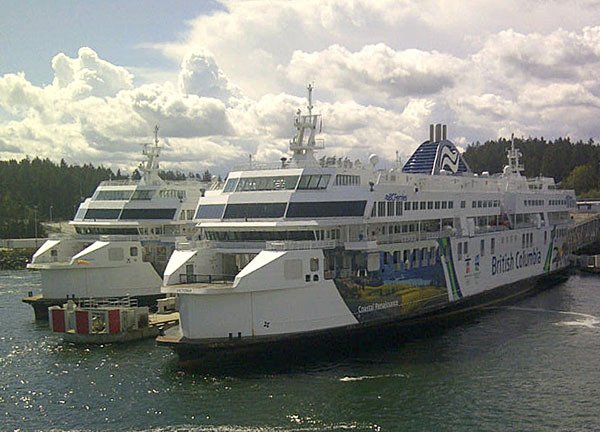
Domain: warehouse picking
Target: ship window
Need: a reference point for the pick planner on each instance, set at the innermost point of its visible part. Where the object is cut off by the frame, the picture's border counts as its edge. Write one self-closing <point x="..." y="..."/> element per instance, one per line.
<point x="347" y="180"/>
<point x="398" y="208"/>
<point x="381" y="208"/>
<point x="466" y="249"/>
<point x="437" y="205"/>
<point x="463" y="204"/>
<point x="422" y="205"/>
<point x="314" y="181"/>
<point x="415" y="205"/>
<point x="155" y="213"/>
<point x="315" y="278"/>
<point x="407" y="205"/>
<point x="444" y="204"/>
<point x="474" y="204"/>
<point x="429" y="205"/>
<point x="133" y="251"/>
<point x="374" y="210"/>
<point x="143" y="194"/>
<point x="113" y="195"/>
<point x="492" y="246"/>
<point x="102" y="214"/>
<point x="327" y="209"/>
<point x="479" y="204"/>
<point x="230" y="185"/>
<point x="450" y="204"/>
<point x="210" y="211"/>
<point x="307" y="278"/>
<point x="252" y="210"/>
<point x="390" y="209"/>
<point x="248" y="184"/>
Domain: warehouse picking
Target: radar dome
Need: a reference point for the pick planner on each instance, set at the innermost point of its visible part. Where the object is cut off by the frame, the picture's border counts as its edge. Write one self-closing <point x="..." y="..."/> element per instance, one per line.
<point x="373" y="159"/>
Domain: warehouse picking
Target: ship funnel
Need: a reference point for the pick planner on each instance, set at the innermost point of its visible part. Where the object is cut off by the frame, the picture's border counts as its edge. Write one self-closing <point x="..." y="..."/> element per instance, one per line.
<point x="437" y="132"/>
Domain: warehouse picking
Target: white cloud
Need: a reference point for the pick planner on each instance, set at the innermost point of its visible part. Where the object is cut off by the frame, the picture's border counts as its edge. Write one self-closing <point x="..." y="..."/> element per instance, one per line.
<point x="88" y="75"/>
<point x="382" y="71"/>
<point x="376" y="70"/>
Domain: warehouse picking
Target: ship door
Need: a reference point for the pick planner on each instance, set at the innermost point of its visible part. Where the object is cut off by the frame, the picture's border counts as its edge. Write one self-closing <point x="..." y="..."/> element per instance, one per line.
<point x="189" y="273"/>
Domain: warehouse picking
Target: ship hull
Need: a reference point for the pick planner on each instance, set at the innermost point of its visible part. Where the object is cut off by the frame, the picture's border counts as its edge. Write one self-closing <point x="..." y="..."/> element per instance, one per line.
<point x="192" y="352"/>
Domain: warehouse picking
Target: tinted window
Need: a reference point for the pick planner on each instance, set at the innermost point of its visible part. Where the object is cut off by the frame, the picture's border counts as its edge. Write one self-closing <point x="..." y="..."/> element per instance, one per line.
<point x="314" y="181"/>
<point x="266" y="183"/>
<point x="251" y="210"/>
<point x="211" y="211"/>
<point x="259" y="235"/>
<point x="102" y="214"/>
<point x="326" y="209"/>
<point x="113" y="195"/>
<point x="143" y="194"/>
<point x="148" y="213"/>
<point x="230" y="185"/>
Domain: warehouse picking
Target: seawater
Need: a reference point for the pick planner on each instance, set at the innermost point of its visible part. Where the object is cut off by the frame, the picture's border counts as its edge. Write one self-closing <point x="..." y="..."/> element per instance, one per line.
<point x="529" y="366"/>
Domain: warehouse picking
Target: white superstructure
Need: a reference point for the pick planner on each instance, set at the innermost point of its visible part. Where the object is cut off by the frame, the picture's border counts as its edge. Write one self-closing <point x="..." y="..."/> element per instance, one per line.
<point x="125" y="234"/>
<point x="314" y="246"/>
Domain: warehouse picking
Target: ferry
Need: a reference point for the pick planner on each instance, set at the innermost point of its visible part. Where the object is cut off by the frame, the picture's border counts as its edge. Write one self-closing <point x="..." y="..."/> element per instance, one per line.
<point x="124" y="235"/>
<point x="314" y="249"/>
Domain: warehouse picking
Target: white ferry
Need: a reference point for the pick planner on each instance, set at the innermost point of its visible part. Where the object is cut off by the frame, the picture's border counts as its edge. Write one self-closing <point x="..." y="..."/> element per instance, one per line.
<point x="331" y="247"/>
<point x="125" y="234"/>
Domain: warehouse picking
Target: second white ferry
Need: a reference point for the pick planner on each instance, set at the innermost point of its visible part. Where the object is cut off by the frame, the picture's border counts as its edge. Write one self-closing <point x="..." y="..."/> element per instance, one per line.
<point x="125" y="234"/>
<point x="332" y="247"/>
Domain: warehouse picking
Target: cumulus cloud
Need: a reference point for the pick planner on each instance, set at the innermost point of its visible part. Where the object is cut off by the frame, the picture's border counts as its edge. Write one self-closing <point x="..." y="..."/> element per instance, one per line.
<point x="376" y="69"/>
<point x="88" y="75"/>
<point x="382" y="72"/>
<point x="201" y="76"/>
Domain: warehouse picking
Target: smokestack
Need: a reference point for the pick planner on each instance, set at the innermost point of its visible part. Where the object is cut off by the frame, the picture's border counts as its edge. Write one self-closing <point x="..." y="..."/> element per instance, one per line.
<point x="444" y="130"/>
<point x="431" y="129"/>
<point x="438" y="132"/>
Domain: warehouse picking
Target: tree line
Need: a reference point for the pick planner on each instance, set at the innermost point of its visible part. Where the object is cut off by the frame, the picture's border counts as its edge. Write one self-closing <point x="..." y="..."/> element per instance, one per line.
<point x="574" y="165"/>
<point x="39" y="190"/>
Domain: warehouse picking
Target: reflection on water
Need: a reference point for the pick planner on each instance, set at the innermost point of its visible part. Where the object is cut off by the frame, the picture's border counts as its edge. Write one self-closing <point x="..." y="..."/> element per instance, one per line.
<point x="530" y="365"/>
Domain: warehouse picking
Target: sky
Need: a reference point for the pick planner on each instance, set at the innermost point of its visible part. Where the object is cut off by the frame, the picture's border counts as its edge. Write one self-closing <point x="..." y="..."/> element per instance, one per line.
<point x="86" y="81"/>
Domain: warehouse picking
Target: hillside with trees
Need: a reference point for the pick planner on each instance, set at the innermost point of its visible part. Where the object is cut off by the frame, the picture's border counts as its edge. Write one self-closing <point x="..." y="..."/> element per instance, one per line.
<point x="37" y="190"/>
<point x="573" y="165"/>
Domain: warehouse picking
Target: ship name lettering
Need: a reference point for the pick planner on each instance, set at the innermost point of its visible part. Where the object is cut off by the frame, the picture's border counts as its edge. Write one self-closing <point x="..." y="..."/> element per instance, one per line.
<point x="377" y="306"/>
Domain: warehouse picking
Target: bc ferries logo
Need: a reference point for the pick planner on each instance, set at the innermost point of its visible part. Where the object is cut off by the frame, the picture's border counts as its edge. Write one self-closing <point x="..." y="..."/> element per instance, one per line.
<point x="449" y="159"/>
<point x="395" y="197"/>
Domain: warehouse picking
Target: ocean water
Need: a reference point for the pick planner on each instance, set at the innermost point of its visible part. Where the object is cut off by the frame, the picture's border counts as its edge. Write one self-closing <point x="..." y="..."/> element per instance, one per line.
<point x="533" y="365"/>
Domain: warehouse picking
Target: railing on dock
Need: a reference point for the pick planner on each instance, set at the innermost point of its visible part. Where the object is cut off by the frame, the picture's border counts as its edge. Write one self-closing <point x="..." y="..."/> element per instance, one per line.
<point x="106" y="302"/>
<point x="205" y="278"/>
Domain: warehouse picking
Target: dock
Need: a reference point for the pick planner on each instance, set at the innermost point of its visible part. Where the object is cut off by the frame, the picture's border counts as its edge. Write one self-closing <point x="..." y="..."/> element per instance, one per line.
<point x="109" y="321"/>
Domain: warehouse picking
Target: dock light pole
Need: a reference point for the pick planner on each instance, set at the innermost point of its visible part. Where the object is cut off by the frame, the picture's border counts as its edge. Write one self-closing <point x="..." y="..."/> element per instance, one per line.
<point x="51" y="207"/>
<point x="35" y="221"/>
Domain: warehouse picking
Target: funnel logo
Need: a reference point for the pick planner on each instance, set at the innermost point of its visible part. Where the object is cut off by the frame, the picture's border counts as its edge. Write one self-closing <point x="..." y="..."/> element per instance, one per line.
<point x="449" y="159"/>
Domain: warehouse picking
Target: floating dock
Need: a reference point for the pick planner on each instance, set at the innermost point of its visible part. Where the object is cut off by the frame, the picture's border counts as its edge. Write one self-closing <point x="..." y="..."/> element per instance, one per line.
<point x="115" y="321"/>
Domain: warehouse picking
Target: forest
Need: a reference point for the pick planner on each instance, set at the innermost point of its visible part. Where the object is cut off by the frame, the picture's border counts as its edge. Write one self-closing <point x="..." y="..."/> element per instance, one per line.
<point x="39" y="190"/>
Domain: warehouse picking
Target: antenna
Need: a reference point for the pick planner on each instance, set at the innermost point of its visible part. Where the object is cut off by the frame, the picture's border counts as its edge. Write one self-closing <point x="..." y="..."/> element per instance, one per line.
<point x="310" y="105"/>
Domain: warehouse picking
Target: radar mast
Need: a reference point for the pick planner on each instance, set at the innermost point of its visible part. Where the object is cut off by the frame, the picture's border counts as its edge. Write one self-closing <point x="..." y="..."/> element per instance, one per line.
<point x="304" y="144"/>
